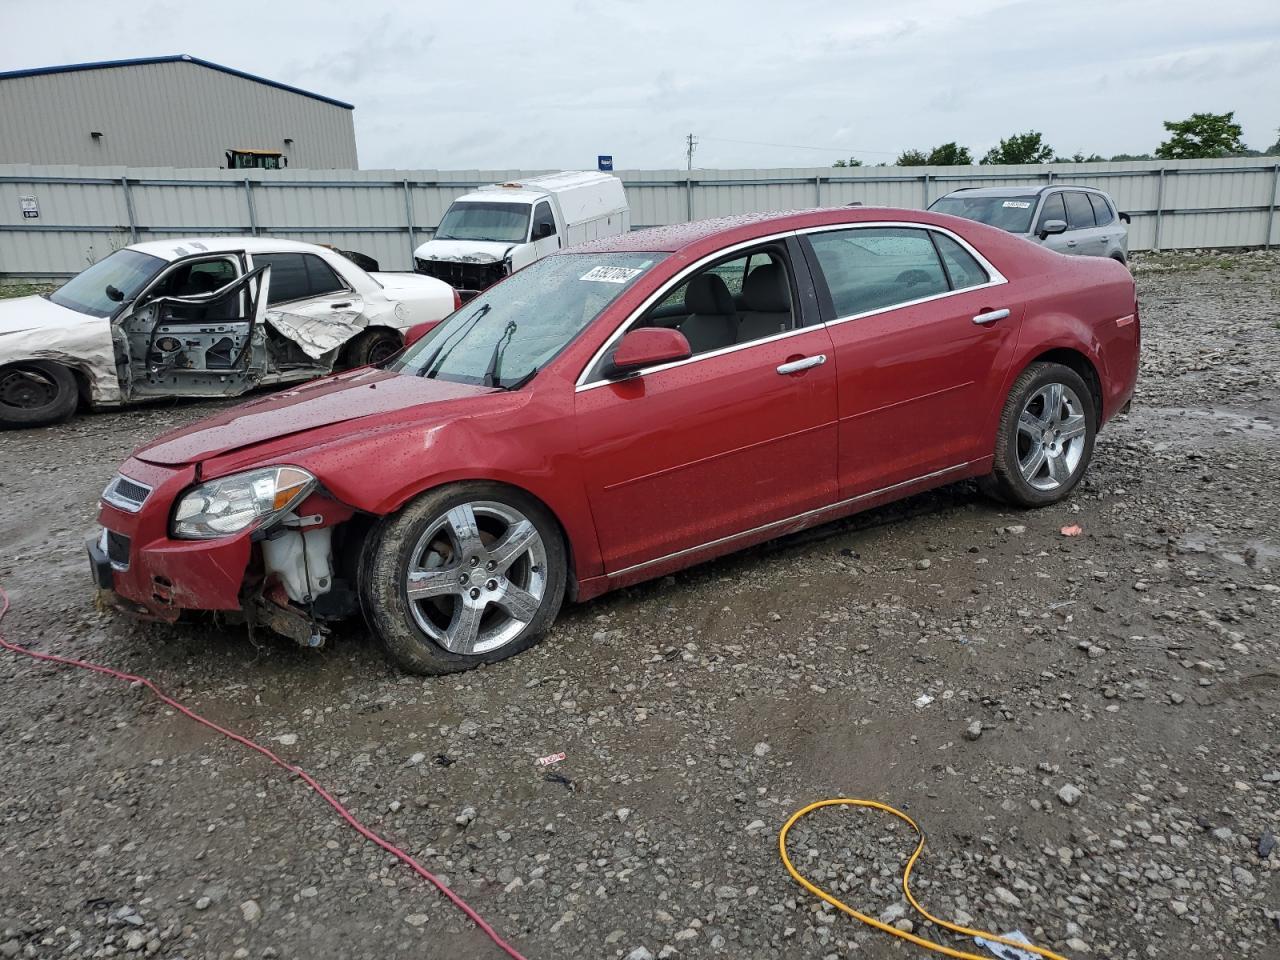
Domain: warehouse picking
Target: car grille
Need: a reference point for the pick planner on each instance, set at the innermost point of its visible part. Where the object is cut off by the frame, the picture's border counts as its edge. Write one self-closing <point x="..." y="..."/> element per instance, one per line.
<point x="117" y="549"/>
<point x="126" y="494"/>
<point x="463" y="276"/>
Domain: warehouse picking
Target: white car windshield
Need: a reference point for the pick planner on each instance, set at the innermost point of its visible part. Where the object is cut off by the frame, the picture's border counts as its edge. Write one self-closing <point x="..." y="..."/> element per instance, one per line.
<point x="1007" y="213"/>
<point x="100" y="290"/>
<point x="505" y="335"/>
<point x="503" y="222"/>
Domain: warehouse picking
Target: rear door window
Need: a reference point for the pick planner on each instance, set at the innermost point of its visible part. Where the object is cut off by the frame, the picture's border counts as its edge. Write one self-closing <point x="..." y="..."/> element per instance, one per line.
<point x="1079" y="210"/>
<point x="1101" y="209"/>
<point x="1054" y="209"/>
<point x="962" y="269"/>
<point x="297" y="276"/>
<point x="870" y="268"/>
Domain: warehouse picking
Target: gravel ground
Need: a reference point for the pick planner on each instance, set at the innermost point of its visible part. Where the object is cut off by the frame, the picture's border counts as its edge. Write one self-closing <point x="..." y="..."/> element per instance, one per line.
<point x="1087" y="727"/>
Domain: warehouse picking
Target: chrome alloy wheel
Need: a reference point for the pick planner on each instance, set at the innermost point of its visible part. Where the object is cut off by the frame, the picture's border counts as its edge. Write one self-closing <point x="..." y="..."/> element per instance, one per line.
<point x="477" y="577"/>
<point x="1051" y="436"/>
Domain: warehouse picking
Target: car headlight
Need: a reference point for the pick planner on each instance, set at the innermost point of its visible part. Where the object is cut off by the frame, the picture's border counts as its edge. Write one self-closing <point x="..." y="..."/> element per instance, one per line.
<point x="231" y="504"/>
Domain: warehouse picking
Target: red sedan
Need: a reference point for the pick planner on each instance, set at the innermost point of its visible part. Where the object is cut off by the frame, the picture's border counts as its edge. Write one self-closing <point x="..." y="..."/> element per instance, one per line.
<point x="624" y="409"/>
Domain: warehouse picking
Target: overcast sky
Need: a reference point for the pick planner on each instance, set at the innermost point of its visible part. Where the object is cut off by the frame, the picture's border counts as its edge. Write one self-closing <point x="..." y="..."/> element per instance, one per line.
<point x="497" y="84"/>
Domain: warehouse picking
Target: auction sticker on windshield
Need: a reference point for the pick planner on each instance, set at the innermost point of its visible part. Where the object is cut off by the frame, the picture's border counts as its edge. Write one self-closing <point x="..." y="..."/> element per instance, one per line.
<point x="611" y="274"/>
<point x="1017" y="204"/>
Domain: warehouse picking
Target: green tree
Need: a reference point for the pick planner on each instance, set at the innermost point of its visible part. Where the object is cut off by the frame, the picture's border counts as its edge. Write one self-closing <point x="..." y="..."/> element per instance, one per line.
<point x="1079" y="157"/>
<point x="1026" y="147"/>
<point x="1132" y="156"/>
<point x="911" y="158"/>
<point x="1274" y="149"/>
<point x="1202" y="135"/>
<point x="950" y="155"/>
<point x="851" y="162"/>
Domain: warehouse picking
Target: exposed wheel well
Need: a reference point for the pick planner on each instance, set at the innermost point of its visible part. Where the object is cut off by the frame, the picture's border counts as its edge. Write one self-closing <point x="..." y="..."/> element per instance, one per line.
<point x="1080" y="364"/>
<point x="358" y="528"/>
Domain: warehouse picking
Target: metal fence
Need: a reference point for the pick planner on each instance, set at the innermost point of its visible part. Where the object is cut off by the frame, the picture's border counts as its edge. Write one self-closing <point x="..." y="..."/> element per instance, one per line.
<point x="54" y="220"/>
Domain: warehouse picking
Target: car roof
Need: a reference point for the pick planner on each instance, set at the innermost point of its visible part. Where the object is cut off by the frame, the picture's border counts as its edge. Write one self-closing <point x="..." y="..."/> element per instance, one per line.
<point x="1018" y="191"/>
<point x="178" y="247"/>
<point x="704" y="233"/>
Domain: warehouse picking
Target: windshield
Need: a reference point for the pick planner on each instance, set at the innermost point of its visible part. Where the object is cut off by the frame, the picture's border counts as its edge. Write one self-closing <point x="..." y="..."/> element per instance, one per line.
<point x="504" y="222"/>
<point x="505" y="335"/>
<point x="1007" y="213"/>
<point x="126" y="272"/>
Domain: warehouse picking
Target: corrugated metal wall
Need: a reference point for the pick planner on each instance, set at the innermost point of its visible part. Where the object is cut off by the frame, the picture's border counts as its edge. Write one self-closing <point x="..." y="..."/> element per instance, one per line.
<point x="85" y="212"/>
<point x="178" y="114"/>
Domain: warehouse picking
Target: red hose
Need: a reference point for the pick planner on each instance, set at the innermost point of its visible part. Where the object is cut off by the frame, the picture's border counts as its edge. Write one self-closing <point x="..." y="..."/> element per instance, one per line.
<point x="310" y="781"/>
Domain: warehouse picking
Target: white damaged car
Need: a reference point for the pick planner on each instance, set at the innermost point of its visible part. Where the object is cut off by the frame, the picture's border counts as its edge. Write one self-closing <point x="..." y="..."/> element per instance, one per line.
<point x="202" y="317"/>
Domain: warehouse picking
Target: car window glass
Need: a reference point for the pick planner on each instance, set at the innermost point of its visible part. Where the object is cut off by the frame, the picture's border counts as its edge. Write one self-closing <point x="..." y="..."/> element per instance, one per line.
<point x="1101" y="209"/>
<point x="736" y="301"/>
<point x="288" y="276"/>
<point x="542" y="215"/>
<point x="193" y="279"/>
<point x="869" y="268"/>
<point x="1054" y="209"/>
<point x="321" y="278"/>
<point x="513" y="329"/>
<point x="962" y="268"/>
<point x="125" y="272"/>
<point x="1079" y="210"/>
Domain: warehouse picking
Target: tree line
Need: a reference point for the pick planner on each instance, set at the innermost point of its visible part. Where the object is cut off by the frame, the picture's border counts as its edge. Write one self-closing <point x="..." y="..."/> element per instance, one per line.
<point x="1201" y="135"/>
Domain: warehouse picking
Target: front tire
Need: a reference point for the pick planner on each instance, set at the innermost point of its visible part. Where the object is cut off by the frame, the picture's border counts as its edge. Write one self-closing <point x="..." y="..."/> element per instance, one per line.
<point x="467" y="574"/>
<point x="36" y="393"/>
<point x="1045" y="440"/>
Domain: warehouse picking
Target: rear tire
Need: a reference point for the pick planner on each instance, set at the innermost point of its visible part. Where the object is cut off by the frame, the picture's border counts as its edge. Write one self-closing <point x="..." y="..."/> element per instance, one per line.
<point x="1045" y="439"/>
<point x="36" y="393"/>
<point x="488" y="567"/>
<point x="373" y="346"/>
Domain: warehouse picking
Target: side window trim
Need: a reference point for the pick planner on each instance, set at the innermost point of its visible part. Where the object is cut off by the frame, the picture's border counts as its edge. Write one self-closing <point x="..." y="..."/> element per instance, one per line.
<point x="994" y="276"/>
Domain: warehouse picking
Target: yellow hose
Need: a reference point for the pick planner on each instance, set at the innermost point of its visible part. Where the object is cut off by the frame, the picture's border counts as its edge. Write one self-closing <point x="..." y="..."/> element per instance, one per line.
<point x="906" y="889"/>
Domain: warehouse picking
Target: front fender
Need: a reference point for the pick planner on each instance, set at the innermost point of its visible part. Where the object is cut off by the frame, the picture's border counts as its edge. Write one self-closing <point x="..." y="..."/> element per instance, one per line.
<point x="85" y="348"/>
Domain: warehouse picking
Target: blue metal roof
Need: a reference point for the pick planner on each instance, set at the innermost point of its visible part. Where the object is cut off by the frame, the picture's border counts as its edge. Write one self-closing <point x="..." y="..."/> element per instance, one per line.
<point x="176" y="58"/>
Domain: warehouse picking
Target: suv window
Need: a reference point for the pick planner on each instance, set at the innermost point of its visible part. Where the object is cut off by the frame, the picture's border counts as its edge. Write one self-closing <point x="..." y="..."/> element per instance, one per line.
<point x="542" y="215"/>
<point x="1101" y="209"/>
<point x="735" y="301"/>
<point x="869" y="268"/>
<point x="962" y="269"/>
<point x="1079" y="210"/>
<point x="297" y="276"/>
<point x="1054" y="209"/>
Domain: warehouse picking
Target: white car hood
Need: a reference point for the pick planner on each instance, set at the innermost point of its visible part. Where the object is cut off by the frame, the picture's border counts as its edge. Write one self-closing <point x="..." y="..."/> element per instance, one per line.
<point x="465" y="251"/>
<point x="35" y="313"/>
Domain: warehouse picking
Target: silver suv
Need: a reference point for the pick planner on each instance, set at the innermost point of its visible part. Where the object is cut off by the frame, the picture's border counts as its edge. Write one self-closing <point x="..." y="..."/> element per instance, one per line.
<point x="1075" y="220"/>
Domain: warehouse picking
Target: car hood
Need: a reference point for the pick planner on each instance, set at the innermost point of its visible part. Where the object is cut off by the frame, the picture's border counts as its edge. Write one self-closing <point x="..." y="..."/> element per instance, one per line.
<point x="33" y="313"/>
<point x="357" y="395"/>
<point x="464" y="251"/>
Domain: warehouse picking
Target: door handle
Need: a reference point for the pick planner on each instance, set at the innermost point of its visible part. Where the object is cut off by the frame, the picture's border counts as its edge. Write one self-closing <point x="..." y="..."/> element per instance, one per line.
<point x="1071" y="243"/>
<point x="795" y="366"/>
<point x="340" y="306"/>
<point x="991" y="316"/>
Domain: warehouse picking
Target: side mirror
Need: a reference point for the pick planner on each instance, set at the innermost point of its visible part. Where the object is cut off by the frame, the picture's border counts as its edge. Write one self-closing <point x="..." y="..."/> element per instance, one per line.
<point x="1126" y="218"/>
<point x="646" y="347"/>
<point x="544" y="230"/>
<point x="1051" y="227"/>
<point x="418" y="331"/>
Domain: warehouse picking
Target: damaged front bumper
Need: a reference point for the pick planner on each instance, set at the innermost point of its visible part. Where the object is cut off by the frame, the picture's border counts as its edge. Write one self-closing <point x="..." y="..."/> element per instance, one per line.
<point x="144" y="571"/>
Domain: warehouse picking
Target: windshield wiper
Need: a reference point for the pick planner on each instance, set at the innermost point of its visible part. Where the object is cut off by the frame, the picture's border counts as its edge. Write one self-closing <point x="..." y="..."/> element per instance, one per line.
<point x="491" y="378"/>
<point x="439" y="354"/>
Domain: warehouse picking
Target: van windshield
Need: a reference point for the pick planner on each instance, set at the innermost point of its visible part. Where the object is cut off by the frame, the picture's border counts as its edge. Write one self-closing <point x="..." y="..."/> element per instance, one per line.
<point x="509" y="332"/>
<point x="124" y="273"/>
<point x="501" y="222"/>
<point x="1008" y="213"/>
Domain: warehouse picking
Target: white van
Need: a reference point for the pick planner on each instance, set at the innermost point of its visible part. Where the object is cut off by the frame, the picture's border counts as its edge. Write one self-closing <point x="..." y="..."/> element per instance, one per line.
<point x="489" y="234"/>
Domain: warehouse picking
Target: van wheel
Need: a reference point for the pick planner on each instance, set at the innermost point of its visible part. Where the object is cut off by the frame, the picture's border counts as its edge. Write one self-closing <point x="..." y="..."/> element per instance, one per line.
<point x="35" y="393"/>
<point x="373" y="346"/>
<point x="468" y="574"/>
<point x="1045" y="440"/>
